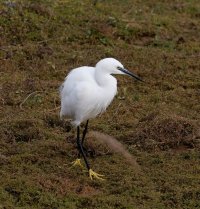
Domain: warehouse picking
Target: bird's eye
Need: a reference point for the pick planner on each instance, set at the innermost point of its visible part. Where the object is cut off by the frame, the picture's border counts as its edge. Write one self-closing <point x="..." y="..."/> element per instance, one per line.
<point x="119" y="68"/>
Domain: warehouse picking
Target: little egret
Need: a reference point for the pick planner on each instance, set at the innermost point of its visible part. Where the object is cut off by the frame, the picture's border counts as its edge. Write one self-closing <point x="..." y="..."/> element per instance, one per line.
<point x="87" y="92"/>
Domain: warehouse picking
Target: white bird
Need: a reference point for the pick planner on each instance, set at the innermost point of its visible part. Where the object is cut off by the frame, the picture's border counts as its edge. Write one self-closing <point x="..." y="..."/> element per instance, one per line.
<point x="87" y="92"/>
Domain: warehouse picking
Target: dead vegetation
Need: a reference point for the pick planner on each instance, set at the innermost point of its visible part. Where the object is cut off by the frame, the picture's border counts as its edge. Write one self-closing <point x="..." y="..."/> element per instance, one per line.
<point x="158" y="132"/>
<point x="21" y="131"/>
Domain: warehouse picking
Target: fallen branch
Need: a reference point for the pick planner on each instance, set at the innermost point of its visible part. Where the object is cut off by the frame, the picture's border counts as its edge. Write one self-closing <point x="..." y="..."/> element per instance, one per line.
<point x="31" y="94"/>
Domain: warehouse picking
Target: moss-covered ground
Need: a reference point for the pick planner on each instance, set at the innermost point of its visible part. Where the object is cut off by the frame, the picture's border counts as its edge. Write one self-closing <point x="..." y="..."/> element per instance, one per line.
<point x="157" y="121"/>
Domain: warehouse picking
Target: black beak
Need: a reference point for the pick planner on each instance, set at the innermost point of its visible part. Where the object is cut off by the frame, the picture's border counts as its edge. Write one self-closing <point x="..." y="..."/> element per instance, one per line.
<point x="130" y="73"/>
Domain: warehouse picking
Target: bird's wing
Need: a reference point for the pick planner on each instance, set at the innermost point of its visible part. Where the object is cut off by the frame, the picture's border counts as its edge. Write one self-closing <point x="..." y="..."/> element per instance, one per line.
<point x="74" y="89"/>
<point x="61" y="88"/>
<point x="76" y="76"/>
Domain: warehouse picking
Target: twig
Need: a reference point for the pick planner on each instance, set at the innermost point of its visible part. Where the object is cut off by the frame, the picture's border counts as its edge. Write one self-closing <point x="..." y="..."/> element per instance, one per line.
<point x="31" y="94"/>
<point x="54" y="109"/>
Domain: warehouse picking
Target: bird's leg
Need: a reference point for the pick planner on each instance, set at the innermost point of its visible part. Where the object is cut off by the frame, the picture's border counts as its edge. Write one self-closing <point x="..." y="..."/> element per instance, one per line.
<point x="80" y="148"/>
<point x="87" y="152"/>
<point x="92" y="174"/>
<point x="78" y="160"/>
<point x="84" y="132"/>
<point x="90" y="152"/>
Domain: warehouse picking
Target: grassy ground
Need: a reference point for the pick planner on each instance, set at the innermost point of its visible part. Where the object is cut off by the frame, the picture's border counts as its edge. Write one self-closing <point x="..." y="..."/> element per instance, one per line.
<point x="158" y="121"/>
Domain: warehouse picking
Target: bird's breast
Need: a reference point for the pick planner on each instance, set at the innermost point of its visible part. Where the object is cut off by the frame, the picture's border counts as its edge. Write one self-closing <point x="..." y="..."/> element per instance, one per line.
<point x="97" y="100"/>
<point x="107" y="95"/>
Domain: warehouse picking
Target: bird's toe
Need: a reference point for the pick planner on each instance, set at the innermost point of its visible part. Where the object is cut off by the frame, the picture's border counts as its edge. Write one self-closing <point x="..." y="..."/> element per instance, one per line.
<point x="93" y="174"/>
<point x="77" y="162"/>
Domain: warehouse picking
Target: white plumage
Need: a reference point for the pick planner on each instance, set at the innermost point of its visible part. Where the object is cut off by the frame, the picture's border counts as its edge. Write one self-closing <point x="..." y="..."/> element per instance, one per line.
<point x="87" y="92"/>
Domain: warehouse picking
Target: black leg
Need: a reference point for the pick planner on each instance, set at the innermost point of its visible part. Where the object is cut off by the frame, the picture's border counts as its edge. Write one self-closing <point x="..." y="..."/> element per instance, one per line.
<point x="80" y="148"/>
<point x="84" y="132"/>
<point x="90" y="153"/>
<point x="92" y="174"/>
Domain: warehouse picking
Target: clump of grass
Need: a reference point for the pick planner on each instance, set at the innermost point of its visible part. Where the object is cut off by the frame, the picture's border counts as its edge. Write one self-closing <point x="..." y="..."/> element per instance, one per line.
<point x="23" y="130"/>
<point x="164" y="132"/>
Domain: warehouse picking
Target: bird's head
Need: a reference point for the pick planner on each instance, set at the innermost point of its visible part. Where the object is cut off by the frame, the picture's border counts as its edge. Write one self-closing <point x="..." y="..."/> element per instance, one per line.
<point x="113" y="66"/>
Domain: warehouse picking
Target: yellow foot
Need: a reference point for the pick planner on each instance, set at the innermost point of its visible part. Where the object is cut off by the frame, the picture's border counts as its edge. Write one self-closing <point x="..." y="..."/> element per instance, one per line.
<point x="92" y="175"/>
<point x="77" y="162"/>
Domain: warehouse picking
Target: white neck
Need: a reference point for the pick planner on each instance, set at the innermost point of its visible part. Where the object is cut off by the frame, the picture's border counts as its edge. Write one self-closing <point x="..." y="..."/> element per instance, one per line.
<point x="107" y="86"/>
<point x="104" y="79"/>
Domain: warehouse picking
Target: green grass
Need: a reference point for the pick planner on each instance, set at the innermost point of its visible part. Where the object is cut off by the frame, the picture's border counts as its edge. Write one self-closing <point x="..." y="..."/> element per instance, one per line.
<point x="157" y="121"/>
